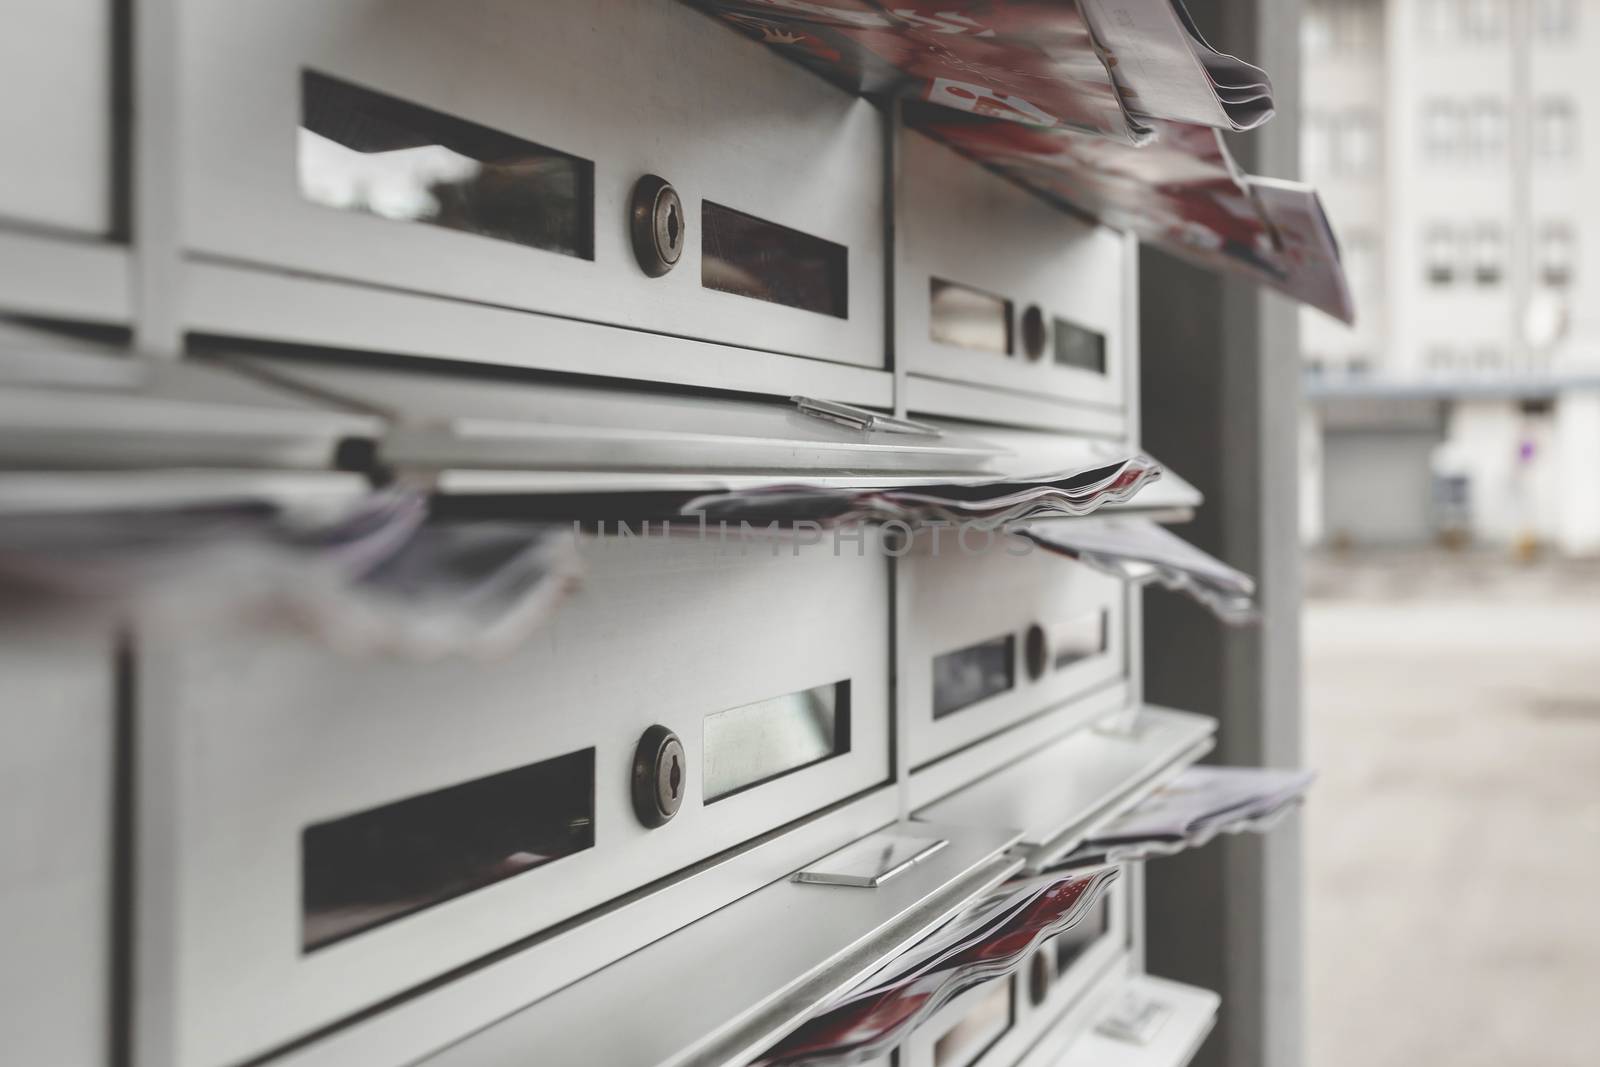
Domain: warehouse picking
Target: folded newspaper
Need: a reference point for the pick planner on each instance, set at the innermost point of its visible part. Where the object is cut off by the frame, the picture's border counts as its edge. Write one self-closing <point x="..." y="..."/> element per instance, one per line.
<point x="1139" y="551"/>
<point x="988" y="941"/>
<point x="378" y="577"/>
<point x="1098" y="66"/>
<point x="987" y="505"/>
<point x="1164" y="68"/>
<point x="1195" y="807"/>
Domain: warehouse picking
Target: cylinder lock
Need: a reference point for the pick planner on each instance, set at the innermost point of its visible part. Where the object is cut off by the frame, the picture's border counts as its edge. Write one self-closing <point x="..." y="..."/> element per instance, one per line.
<point x="660" y="774"/>
<point x="657" y="225"/>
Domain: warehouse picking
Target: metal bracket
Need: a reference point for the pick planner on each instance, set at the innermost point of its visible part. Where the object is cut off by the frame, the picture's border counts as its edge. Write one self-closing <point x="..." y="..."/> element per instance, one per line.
<point x="861" y="418"/>
<point x="870" y="863"/>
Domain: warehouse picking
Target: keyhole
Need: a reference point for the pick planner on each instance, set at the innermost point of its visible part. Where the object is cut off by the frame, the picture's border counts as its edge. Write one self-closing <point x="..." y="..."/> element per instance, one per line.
<point x="672" y="226"/>
<point x="674" y="777"/>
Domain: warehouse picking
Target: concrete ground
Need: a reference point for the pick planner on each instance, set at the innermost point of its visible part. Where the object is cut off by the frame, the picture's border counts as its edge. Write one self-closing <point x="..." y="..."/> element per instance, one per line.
<point x="1453" y="708"/>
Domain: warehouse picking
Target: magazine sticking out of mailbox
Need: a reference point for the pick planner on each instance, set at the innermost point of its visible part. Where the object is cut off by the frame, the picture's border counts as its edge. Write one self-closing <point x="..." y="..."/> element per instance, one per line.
<point x="1110" y="107"/>
<point x="1139" y="550"/>
<point x="1190" y="811"/>
<point x="988" y="505"/>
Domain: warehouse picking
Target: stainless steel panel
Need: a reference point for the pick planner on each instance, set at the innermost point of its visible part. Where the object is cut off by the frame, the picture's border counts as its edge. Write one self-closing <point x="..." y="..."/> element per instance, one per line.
<point x="250" y="735"/>
<point x="71" y="279"/>
<point x="442" y="422"/>
<point x="960" y="225"/>
<point x="57" y="738"/>
<point x="76" y="407"/>
<point x="55" y="115"/>
<point x="713" y="113"/>
<point x="1057" y="794"/>
<point x="720" y="991"/>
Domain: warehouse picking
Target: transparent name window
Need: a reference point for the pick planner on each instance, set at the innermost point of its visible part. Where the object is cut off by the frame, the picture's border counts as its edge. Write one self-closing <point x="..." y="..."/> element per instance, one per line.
<point x="376" y="866"/>
<point x="756" y="743"/>
<point x="968" y="318"/>
<point x="363" y="151"/>
<point x="1078" y="346"/>
<point x="968" y="675"/>
<point x="747" y="256"/>
<point x="1077" y="639"/>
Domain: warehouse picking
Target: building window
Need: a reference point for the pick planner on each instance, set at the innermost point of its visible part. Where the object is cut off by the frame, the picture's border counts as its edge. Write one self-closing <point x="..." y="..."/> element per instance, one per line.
<point x="1360" y="249"/>
<point x="1439" y="254"/>
<point x="1316" y="29"/>
<point x="1316" y="144"/>
<point x="1356" y="143"/>
<point x="1481" y="20"/>
<point x="1486" y="130"/>
<point x="1488" y="358"/>
<point x="1441" y="129"/>
<point x="1556" y="254"/>
<point x="1556" y="21"/>
<point x="1488" y="254"/>
<point x="1555" y="129"/>
<point x="1440" y="358"/>
<point x="1341" y="26"/>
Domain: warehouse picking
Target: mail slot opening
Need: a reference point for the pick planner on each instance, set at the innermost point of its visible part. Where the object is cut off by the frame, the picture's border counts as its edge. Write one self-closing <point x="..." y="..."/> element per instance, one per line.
<point x="1078" y="346"/>
<point x="376" y="866"/>
<point x="968" y="675"/>
<point x="1079" y="638"/>
<point x="756" y="743"/>
<point x="365" y="152"/>
<point x="968" y="318"/>
<point x="747" y="256"/>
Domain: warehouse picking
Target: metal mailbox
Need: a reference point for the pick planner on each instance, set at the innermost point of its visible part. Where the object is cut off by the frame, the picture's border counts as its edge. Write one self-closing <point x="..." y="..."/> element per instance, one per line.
<point x="704" y="196"/>
<point x="322" y="833"/>
<point x="991" y="639"/>
<point x="1007" y="308"/>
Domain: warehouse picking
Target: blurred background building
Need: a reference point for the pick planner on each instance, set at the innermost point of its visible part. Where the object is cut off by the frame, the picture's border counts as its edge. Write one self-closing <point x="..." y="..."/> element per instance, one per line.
<point x="1461" y="166"/>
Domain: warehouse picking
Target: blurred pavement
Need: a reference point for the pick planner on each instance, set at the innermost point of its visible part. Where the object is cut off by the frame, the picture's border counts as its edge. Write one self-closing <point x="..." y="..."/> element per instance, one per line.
<point x="1453" y="708"/>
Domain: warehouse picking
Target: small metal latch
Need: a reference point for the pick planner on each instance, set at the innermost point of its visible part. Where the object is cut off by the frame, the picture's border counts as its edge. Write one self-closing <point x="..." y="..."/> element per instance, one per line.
<point x="870" y="863"/>
<point x="861" y="418"/>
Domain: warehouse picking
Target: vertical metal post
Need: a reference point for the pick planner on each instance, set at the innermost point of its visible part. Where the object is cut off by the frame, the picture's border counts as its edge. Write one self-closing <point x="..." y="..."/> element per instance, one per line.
<point x="1221" y="391"/>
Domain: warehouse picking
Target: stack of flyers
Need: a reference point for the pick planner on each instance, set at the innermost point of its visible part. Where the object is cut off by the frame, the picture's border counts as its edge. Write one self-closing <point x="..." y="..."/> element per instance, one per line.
<point x="983" y="505"/>
<point x="987" y="942"/>
<point x="1138" y="550"/>
<point x="374" y="577"/>
<point x="1112" y="107"/>
<point x="1195" y="807"/>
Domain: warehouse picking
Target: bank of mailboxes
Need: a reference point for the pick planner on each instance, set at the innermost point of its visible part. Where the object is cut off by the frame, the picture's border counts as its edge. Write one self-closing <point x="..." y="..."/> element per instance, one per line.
<point x="625" y="164"/>
<point x="1004" y="304"/>
<point x="397" y="220"/>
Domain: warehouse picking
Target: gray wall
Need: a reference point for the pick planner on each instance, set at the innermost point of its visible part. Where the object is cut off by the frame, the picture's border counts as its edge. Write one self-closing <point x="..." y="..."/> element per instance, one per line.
<point x="1221" y="401"/>
<point x="1377" y="487"/>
